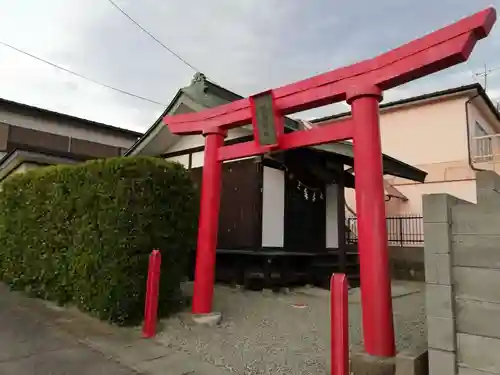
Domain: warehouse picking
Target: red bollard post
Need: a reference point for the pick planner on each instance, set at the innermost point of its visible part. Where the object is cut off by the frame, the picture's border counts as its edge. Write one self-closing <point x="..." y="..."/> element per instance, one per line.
<point x="339" y="315"/>
<point x="152" y="291"/>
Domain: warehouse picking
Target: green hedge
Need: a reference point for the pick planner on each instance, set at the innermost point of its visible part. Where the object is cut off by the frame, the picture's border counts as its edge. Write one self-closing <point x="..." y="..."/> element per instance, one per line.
<point x="82" y="234"/>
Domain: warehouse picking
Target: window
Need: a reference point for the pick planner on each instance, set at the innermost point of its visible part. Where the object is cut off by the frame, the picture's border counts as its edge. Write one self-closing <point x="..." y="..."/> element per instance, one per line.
<point x="479" y="130"/>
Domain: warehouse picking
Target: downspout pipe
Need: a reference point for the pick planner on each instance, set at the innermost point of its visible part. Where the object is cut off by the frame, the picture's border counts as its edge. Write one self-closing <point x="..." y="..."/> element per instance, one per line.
<point x="471" y="164"/>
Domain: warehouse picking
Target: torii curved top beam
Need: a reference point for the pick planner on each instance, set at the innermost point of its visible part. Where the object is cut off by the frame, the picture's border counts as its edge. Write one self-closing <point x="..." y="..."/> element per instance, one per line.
<point x="436" y="51"/>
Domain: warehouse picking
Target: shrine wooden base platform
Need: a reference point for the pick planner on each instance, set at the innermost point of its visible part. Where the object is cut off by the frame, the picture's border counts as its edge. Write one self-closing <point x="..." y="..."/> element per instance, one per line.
<point x="274" y="269"/>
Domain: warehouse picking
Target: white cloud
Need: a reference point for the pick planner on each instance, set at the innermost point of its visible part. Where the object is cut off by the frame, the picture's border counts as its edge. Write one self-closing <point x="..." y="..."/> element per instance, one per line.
<point x="244" y="45"/>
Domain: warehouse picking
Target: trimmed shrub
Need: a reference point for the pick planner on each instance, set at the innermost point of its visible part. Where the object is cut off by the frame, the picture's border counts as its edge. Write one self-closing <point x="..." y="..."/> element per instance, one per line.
<point x="82" y="234"/>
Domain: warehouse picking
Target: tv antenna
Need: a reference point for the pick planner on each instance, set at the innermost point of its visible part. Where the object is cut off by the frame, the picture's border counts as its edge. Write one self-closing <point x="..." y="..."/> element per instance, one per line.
<point x="485" y="73"/>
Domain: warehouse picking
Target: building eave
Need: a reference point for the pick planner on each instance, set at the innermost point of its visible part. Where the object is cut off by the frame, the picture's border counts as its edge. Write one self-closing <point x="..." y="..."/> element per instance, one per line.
<point x="47" y="112"/>
<point x="390" y="165"/>
<point x="36" y="156"/>
<point x="157" y="123"/>
<point x="482" y="93"/>
<point x="473" y="88"/>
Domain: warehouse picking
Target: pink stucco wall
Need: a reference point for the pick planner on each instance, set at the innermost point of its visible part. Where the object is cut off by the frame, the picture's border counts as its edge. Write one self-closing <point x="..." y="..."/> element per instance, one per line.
<point x="432" y="136"/>
<point x="426" y="133"/>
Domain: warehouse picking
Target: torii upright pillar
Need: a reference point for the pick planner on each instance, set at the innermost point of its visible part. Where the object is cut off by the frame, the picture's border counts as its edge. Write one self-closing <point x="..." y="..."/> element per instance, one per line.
<point x="372" y="231"/>
<point x="208" y="222"/>
<point x="361" y="85"/>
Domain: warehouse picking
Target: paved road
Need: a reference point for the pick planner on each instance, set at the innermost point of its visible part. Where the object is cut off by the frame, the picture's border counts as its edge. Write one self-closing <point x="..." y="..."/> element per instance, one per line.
<point x="29" y="346"/>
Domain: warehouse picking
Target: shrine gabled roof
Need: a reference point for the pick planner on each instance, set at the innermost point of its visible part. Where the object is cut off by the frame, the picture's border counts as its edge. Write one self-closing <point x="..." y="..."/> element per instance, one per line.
<point x="208" y="94"/>
<point x="329" y="157"/>
<point x="390" y="165"/>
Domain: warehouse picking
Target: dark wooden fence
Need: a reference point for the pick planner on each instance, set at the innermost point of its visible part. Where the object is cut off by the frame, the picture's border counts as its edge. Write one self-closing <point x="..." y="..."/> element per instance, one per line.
<point x="401" y="230"/>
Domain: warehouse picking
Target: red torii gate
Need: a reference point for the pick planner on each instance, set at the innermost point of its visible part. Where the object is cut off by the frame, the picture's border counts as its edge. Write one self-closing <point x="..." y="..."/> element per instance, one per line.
<point x="361" y="85"/>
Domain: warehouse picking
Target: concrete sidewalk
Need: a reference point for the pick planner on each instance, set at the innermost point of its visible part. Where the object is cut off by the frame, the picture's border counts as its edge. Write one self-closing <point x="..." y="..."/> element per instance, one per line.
<point x="30" y="346"/>
<point x="37" y="337"/>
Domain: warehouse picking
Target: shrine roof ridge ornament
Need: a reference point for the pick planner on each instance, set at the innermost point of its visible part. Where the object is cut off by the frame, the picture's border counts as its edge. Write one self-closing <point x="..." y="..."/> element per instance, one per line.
<point x="436" y="51"/>
<point x="198" y="77"/>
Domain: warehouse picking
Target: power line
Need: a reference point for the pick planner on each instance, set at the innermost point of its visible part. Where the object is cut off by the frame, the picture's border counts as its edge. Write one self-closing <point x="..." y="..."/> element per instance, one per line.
<point x="81" y="75"/>
<point x="153" y="37"/>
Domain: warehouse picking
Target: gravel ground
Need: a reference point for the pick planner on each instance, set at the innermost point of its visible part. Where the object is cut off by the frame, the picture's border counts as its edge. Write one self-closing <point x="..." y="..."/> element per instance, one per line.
<point x="264" y="333"/>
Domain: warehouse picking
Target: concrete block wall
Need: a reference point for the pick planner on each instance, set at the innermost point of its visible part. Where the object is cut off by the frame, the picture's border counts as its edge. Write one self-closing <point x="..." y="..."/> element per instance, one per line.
<point x="462" y="270"/>
<point x="407" y="263"/>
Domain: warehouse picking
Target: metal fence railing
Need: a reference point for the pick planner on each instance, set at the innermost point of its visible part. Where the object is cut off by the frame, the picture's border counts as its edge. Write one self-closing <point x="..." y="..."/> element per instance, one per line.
<point x="401" y="230"/>
<point x="485" y="148"/>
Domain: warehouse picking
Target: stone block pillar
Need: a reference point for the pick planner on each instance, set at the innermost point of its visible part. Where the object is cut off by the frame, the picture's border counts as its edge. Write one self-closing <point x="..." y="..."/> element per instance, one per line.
<point x="462" y="269"/>
<point x="439" y="289"/>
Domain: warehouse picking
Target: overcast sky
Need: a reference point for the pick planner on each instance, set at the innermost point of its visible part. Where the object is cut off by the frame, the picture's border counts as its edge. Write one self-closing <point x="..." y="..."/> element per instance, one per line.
<point x="244" y="45"/>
